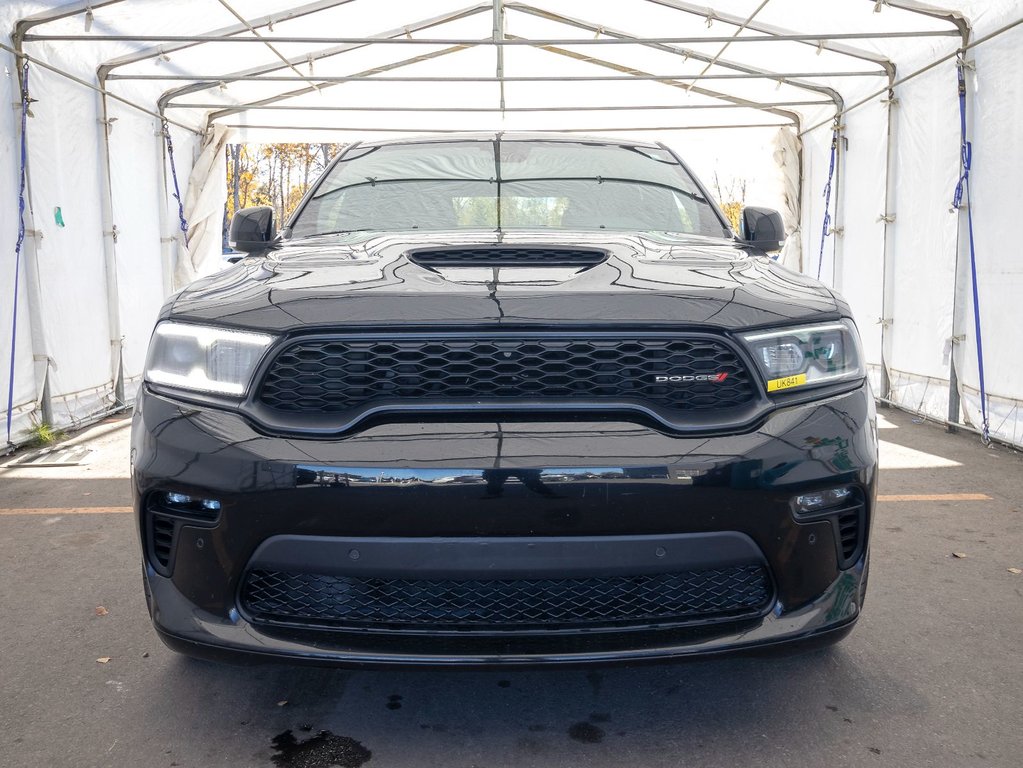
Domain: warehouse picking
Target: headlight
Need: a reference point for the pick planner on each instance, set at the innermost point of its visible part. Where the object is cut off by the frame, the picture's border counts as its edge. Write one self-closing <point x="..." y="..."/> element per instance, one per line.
<point x="808" y="355"/>
<point x="204" y="359"/>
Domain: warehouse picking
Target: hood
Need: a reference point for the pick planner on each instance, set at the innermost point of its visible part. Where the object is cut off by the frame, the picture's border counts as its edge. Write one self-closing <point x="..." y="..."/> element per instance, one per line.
<point x="368" y="281"/>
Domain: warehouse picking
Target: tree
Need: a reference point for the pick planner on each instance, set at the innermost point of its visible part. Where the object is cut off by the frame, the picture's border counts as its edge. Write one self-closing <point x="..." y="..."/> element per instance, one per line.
<point x="731" y="200"/>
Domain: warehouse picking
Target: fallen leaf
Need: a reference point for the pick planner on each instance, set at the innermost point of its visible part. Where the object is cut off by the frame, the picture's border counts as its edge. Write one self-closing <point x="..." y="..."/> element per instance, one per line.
<point x="145" y="654"/>
<point x="101" y="611"/>
<point x="103" y="659"/>
<point x="282" y="703"/>
<point x="1016" y="571"/>
<point x="960" y="555"/>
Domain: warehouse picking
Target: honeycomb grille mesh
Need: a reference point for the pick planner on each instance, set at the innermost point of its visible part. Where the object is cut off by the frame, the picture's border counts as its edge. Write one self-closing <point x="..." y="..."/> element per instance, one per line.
<point x="338" y="375"/>
<point x="614" y="601"/>
<point x="508" y="256"/>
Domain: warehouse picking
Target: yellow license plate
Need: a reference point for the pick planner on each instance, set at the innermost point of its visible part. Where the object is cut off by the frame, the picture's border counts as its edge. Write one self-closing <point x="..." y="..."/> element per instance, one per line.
<point x="789" y="381"/>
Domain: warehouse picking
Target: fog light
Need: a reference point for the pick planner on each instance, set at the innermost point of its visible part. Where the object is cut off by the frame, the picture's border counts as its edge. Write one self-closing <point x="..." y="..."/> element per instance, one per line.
<point x="186" y="504"/>
<point x="818" y="500"/>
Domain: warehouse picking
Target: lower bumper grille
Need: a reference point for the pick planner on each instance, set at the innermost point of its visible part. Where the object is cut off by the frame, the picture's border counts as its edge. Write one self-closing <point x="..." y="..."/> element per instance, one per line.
<point x="510" y="604"/>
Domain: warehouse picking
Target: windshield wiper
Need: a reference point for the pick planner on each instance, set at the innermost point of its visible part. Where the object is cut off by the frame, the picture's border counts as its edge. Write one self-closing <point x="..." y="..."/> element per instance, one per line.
<point x="336" y="232"/>
<point x="616" y="179"/>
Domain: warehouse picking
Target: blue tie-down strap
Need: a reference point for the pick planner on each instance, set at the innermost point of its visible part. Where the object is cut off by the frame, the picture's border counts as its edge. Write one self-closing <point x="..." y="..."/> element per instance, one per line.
<point x="182" y="222"/>
<point x="826" y="229"/>
<point x="962" y="191"/>
<point x="18" y="244"/>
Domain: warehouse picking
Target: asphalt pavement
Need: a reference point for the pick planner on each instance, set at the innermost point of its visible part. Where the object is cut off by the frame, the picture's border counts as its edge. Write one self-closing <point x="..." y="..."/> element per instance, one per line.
<point x="931" y="676"/>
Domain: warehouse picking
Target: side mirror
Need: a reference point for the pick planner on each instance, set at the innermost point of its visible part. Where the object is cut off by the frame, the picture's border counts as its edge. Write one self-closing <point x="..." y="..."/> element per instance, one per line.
<point x="763" y="228"/>
<point x="252" y="229"/>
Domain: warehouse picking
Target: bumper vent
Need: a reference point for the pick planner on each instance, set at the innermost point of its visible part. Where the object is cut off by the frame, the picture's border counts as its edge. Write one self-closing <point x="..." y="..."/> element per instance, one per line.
<point x="163" y="521"/>
<point x="508" y="257"/>
<point x="509" y="605"/>
<point x="850" y="535"/>
<point x="161" y="540"/>
<point x="341" y="376"/>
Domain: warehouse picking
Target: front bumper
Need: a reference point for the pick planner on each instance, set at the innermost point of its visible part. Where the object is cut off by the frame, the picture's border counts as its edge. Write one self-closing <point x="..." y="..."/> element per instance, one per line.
<point x="506" y="484"/>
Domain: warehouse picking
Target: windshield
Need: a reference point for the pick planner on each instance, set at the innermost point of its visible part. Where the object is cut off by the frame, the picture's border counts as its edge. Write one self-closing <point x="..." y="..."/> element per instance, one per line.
<point x="507" y="184"/>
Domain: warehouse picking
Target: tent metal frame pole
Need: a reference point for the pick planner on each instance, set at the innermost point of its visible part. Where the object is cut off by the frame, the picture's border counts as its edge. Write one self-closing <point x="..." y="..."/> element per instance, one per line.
<point x="20" y="55"/>
<point x="212" y="80"/>
<point x="742" y="71"/>
<point x="40" y="349"/>
<point x="926" y="68"/>
<point x="499" y="50"/>
<point x="962" y="24"/>
<point x="104" y="70"/>
<point x="738" y="31"/>
<point x="888" y="247"/>
<point x="313" y="87"/>
<point x="109" y="230"/>
<point x="598" y="129"/>
<point x="770" y="29"/>
<point x="441" y="110"/>
<point x="256" y="34"/>
<point x="791" y="116"/>
<point x="254" y="72"/>
<point x="508" y="41"/>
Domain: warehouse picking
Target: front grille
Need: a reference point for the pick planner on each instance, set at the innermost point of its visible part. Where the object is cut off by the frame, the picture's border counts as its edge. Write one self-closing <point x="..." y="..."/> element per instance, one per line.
<point x="339" y="375"/>
<point x="510" y="604"/>
<point x="508" y="256"/>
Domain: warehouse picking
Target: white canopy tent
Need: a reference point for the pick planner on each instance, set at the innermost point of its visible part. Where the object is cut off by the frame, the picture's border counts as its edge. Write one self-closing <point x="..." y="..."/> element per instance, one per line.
<point x="857" y="97"/>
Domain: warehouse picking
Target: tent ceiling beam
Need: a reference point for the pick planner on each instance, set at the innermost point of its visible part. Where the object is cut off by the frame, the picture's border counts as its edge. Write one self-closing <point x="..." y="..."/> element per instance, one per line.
<point x="92" y="86"/>
<point x="196" y="84"/>
<point x="22" y="26"/>
<point x="774" y="77"/>
<point x="917" y="73"/>
<point x="954" y="18"/>
<point x="256" y="34"/>
<point x="422" y="130"/>
<point x="303" y="91"/>
<point x="770" y="29"/>
<point x="814" y="38"/>
<point x="742" y="71"/>
<point x="104" y="70"/>
<point x="738" y="31"/>
<point x="602" y="108"/>
<point x="791" y="116"/>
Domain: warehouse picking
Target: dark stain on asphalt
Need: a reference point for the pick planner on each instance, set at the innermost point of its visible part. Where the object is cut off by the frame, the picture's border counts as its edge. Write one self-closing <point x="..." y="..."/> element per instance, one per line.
<point x="324" y="750"/>
<point x="394" y="701"/>
<point x="504" y="683"/>
<point x="587" y="733"/>
<point x="600" y="717"/>
<point x="596" y="680"/>
<point x="537" y="728"/>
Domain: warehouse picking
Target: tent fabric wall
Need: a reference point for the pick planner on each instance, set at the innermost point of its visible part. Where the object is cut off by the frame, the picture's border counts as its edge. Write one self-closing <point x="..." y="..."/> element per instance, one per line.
<point x="88" y="299"/>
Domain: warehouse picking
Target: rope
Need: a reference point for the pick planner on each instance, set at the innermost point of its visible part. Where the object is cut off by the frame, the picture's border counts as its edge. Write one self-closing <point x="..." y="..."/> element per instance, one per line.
<point x="962" y="191"/>
<point x="183" y="223"/>
<point x="20" y="242"/>
<point x="825" y="230"/>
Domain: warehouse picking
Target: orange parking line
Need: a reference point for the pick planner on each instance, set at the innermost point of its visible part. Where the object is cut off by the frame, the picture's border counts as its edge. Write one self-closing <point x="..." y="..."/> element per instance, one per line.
<point x="935" y="497"/>
<point x="66" y="511"/>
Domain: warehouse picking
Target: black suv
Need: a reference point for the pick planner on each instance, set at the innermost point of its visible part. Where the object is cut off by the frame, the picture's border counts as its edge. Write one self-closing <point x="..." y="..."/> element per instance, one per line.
<point x="503" y="399"/>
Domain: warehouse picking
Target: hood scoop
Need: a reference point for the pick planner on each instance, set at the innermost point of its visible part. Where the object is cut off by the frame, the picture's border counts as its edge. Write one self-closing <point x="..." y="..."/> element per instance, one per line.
<point x="508" y="256"/>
